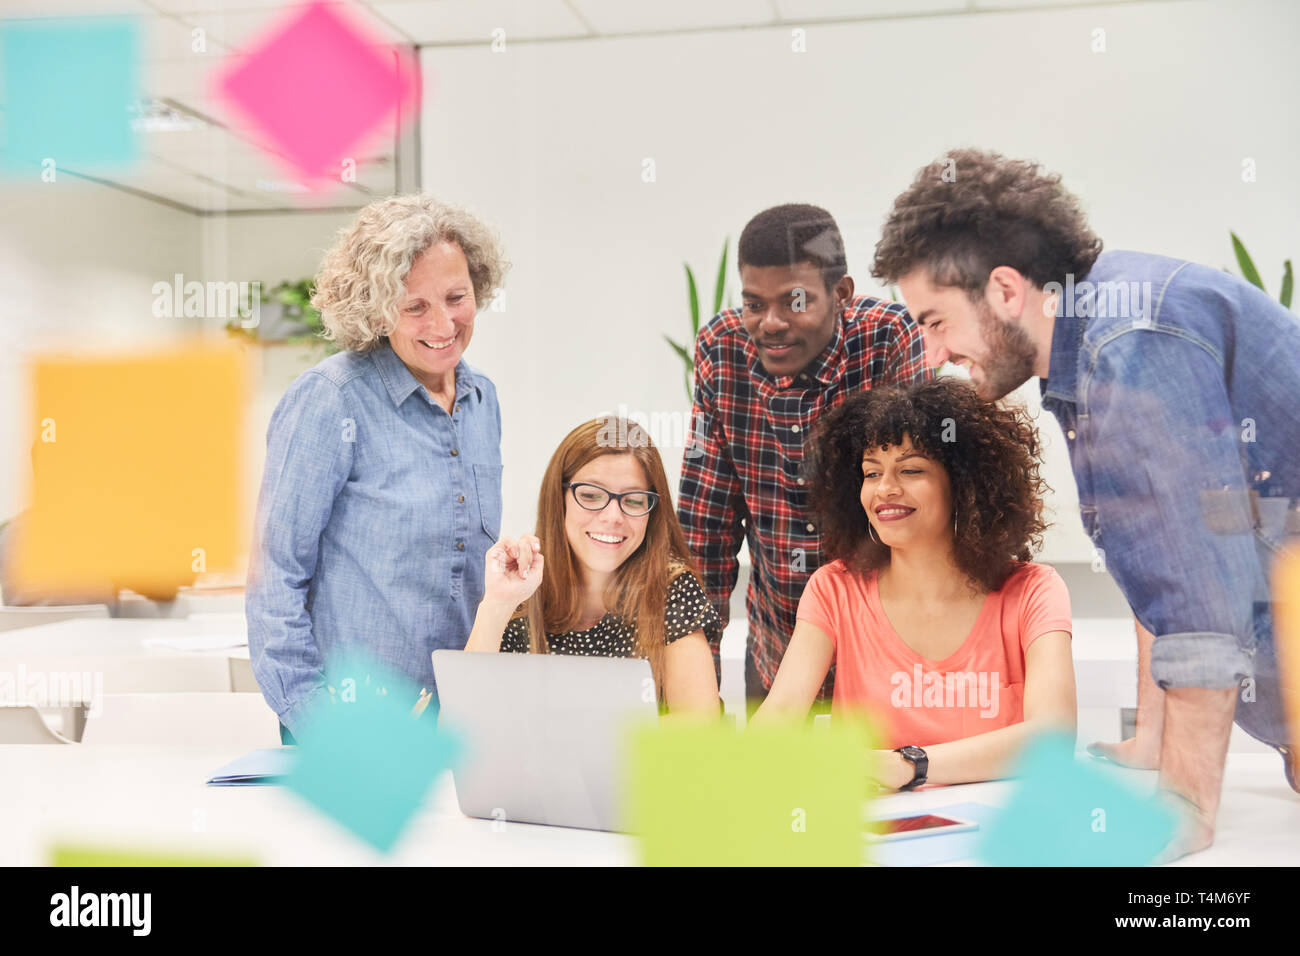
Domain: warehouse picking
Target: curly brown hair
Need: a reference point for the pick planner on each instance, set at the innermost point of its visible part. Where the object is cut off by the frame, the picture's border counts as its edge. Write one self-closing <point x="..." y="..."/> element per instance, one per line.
<point x="989" y="451"/>
<point x="973" y="210"/>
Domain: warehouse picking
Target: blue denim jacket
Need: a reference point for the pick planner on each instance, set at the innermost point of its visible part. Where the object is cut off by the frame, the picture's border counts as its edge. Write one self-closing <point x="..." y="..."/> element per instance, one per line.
<point x="1176" y="386"/>
<point x="376" y="510"/>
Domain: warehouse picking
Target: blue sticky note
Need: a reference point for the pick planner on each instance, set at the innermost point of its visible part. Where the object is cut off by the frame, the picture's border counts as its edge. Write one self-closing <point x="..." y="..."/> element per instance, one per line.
<point x="363" y="759"/>
<point x="69" y="88"/>
<point x="1066" y="812"/>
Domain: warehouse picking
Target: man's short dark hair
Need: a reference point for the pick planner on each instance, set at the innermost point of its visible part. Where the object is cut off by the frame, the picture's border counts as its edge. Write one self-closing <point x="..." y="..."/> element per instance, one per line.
<point x="794" y="233"/>
<point x="973" y="210"/>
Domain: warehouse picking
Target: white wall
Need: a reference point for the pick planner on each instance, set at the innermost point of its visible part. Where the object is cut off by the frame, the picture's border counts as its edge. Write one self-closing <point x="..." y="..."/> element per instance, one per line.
<point x="268" y="248"/>
<point x="77" y="266"/>
<point x="546" y="141"/>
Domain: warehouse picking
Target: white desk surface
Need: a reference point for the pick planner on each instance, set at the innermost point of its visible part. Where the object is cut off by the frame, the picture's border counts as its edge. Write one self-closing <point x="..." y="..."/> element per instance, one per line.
<point x="155" y="798"/>
<point x="1109" y="640"/>
<point x="118" y="637"/>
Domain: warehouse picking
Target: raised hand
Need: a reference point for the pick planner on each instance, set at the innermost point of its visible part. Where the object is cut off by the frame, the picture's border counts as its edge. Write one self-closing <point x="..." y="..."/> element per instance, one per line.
<point x="512" y="570"/>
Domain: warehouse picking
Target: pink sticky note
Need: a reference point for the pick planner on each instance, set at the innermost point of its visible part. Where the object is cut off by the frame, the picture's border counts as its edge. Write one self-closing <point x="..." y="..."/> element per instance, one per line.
<point x="317" y="88"/>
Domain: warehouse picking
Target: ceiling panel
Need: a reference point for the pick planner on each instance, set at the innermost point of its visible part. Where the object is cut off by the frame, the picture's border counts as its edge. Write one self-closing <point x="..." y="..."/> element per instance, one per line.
<point x="242" y="29"/>
<point x="168" y="39"/>
<point x="464" y="21"/>
<point x="15" y="9"/>
<point x="191" y="6"/>
<point x="843" y="9"/>
<point x="615" y="16"/>
<point x="178" y="163"/>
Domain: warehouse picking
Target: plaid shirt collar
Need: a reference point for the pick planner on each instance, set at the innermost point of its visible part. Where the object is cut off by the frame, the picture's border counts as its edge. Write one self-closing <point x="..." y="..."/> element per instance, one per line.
<point x="826" y="368"/>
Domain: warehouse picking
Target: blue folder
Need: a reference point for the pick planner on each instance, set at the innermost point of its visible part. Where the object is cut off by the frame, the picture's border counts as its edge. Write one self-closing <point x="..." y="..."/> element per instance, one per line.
<point x="257" y="769"/>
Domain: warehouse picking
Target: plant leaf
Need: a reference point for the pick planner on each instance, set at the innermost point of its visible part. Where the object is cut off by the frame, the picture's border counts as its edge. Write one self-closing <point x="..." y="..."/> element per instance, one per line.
<point x="1247" y="265"/>
<point x="721" y="285"/>
<point x="695" y="297"/>
<point x="682" y="354"/>
<point x="1287" y="281"/>
<point x="688" y="364"/>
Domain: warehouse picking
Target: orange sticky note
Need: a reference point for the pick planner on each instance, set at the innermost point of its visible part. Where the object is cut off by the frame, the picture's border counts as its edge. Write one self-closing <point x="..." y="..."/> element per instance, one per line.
<point x="135" y="472"/>
<point x="1286" y="610"/>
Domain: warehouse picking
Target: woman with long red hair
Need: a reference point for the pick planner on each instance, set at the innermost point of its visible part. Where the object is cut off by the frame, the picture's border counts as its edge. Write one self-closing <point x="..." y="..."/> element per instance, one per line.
<point x="608" y="572"/>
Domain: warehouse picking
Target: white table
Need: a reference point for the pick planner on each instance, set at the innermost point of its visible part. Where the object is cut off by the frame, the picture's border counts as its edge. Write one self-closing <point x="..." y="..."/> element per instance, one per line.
<point x="78" y="659"/>
<point x="155" y="798"/>
<point x="115" y="637"/>
<point x="1105" y="662"/>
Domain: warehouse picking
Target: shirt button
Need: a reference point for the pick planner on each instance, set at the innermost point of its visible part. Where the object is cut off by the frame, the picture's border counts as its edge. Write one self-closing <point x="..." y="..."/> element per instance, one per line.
<point x="811" y="526"/>
<point x="801" y="481"/>
<point x="460" y="545"/>
<point x="1070" y="434"/>
<point x="794" y="428"/>
<point x="457" y="408"/>
<point x="460" y="498"/>
<point x="454" y="453"/>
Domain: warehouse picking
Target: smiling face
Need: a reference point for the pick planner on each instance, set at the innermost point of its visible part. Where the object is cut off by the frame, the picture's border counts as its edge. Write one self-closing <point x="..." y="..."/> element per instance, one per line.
<point x="789" y="339"/>
<point x="603" y="540"/>
<point x="997" y="351"/>
<point x="437" y="315"/>
<point x="907" y="497"/>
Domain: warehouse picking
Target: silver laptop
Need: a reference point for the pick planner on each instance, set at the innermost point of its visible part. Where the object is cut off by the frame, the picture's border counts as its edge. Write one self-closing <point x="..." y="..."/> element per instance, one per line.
<point x="544" y="733"/>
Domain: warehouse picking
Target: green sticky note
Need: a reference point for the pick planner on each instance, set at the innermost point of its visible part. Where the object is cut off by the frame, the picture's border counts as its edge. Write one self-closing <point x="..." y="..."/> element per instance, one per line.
<point x="781" y="795"/>
<point x="67" y="854"/>
<point x="364" y="760"/>
<point x="1068" y="812"/>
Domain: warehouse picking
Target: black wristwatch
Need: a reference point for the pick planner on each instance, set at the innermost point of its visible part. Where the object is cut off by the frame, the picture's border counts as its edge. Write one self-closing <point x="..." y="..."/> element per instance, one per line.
<point x="920" y="765"/>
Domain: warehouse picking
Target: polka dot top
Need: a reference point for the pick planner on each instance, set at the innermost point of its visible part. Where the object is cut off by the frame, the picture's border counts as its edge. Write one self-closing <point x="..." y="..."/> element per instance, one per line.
<point x="688" y="610"/>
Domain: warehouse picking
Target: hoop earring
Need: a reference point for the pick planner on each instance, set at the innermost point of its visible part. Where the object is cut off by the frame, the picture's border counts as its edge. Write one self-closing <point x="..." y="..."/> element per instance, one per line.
<point x="954" y="521"/>
<point x="874" y="539"/>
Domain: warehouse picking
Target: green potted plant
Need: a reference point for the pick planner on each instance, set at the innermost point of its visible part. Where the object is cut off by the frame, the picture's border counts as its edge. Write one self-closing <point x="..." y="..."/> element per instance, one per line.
<point x="686" y="352"/>
<point x="286" y="315"/>
<point x="1251" y="274"/>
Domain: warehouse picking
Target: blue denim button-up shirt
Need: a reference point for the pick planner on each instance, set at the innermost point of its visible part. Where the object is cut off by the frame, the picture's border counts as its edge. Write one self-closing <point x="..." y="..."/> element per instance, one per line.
<point x="376" y="510"/>
<point x="1177" y="389"/>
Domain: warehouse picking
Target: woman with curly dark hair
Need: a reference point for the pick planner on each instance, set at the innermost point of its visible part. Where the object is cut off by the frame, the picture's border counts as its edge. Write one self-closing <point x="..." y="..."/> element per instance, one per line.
<point x="939" y="625"/>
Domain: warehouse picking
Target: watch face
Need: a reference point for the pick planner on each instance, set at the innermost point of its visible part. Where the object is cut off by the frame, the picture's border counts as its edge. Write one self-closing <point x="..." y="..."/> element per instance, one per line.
<point x="914" y="753"/>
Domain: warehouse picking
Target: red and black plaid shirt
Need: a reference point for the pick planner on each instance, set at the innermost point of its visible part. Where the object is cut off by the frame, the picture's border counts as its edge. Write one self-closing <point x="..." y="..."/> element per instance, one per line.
<point x="741" y="473"/>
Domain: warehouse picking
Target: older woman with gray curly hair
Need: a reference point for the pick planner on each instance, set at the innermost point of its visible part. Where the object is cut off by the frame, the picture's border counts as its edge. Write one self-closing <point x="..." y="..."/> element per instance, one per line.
<point x="382" y="488"/>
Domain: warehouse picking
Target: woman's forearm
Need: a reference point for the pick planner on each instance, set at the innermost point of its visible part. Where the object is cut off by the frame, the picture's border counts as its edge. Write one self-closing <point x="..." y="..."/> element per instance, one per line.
<point x="490" y="622"/>
<point x="986" y="756"/>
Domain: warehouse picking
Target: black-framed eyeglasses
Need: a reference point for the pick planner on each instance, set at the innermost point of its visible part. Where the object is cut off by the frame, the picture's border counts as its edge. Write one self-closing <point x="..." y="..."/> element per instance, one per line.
<point x="634" y="504"/>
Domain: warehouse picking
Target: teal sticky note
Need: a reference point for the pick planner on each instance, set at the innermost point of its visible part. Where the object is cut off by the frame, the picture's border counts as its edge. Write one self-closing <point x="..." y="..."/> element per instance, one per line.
<point x="1067" y="812"/>
<point x="364" y="760"/>
<point x="69" y="88"/>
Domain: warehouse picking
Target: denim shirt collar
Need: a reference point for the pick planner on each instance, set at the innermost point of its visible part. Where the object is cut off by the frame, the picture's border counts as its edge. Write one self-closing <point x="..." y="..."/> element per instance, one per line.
<point x="400" y="383"/>
<point x="1062" y="382"/>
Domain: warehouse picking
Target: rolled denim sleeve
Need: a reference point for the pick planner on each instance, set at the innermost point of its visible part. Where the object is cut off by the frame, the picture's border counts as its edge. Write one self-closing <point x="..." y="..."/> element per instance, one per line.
<point x="309" y="450"/>
<point x="1173" y="512"/>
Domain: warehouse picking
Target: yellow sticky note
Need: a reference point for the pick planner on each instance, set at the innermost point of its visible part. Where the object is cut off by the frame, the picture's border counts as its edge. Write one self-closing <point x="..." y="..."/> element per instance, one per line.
<point x="778" y="795"/>
<point x="75" y="855"/>
<point x="1286" y="606"/>
<point x="135" y="472"/>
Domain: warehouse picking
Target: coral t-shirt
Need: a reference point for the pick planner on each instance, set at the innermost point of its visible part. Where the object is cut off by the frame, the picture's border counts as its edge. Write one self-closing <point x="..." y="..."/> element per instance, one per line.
<point x="978" y="688"/>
